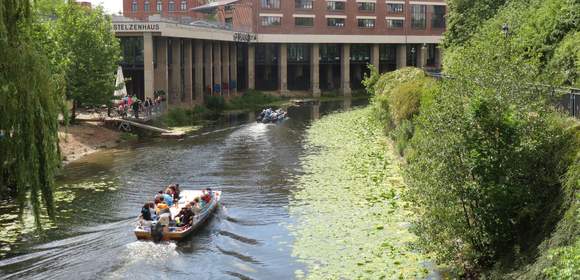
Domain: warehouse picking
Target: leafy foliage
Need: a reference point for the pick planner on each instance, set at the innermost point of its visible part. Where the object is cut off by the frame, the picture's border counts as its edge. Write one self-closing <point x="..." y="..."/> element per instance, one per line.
<point x="81" y="44"/>
<point x="466" y="16"/>
<point x="487" y="156"/>
<point x="215" y="103"/>
<point x="398" y="97"/>
<point x="30" y="100"/>
<point x="251" y="99"/>
<point x="178" y="117"/>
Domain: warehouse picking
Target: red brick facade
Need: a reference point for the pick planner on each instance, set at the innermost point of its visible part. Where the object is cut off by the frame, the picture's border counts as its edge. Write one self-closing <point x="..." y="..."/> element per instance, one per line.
<point x="319" y="10"/>
<point x="177" y="12"/>
<point x="244" y="15"/>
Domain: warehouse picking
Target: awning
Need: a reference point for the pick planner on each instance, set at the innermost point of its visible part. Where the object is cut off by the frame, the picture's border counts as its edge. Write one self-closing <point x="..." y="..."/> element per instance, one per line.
<point x="211" y="6"/>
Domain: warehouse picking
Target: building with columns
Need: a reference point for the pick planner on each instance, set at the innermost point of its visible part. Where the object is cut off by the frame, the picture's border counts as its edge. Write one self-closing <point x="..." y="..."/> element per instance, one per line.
<point x="283" y="47"/>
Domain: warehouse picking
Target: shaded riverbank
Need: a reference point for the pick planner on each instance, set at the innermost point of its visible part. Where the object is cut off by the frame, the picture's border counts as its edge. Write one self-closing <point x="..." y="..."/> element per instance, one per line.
<point x="352" y="223"/>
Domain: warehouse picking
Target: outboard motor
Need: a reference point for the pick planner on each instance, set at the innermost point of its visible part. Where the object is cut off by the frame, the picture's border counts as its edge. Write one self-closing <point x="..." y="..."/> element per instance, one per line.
<point x="156" y="232"/>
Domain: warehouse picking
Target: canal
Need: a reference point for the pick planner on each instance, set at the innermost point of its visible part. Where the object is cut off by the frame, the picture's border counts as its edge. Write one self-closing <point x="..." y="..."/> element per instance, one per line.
<point x="101" y="195"/>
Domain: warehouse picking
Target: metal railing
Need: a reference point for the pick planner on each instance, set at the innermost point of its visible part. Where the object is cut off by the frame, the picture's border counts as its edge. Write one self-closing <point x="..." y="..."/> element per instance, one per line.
<point x="566" y="99"/>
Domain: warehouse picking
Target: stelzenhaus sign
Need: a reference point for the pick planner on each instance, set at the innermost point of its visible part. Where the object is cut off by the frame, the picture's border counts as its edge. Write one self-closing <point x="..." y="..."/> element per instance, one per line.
<point x="136" y="27"/>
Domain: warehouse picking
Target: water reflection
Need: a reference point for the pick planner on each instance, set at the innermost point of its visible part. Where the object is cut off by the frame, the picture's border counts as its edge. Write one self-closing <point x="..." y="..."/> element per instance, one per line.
<point x="253" y="164"/>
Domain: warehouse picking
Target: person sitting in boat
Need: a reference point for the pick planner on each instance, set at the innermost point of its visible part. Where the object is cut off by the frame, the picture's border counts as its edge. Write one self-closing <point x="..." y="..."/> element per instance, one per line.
<point x="195" y="206"/>
<point x="207" y="194"/>
<point x="185" y="216"/>
<point x="146" y="214"/>
<point x="164" y="215"/>
<point x="177" y="192"/>
<point x="168" y="199"/>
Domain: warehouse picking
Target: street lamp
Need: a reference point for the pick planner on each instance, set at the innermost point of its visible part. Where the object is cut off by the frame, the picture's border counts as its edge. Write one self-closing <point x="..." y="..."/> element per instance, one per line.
<point x="505" y="29"/>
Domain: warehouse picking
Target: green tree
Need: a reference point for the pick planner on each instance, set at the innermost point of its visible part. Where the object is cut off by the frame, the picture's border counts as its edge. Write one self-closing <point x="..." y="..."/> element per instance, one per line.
<point x="85" y="48"/>
<point x="487" y="158"/>
<point x="30" y="101"/>
<point x="465" y="17"/>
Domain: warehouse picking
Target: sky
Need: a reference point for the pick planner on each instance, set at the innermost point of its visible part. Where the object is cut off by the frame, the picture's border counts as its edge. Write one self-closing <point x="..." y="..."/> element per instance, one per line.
<point x="111" y="6"/>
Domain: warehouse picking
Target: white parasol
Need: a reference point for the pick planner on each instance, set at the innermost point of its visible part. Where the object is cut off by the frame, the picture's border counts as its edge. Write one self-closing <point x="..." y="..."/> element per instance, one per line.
<point x="121" y="89"/>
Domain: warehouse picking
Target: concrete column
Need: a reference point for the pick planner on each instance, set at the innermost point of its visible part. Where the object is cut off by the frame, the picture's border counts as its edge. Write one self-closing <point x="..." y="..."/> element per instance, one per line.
<point x="208" y="54"/>
<point x="345" y="70"/>
<point x="283" y="65"/>
<point x="226" y="68"/>
<point x="401" y="56"/>
<point x="148" y="71"/>
<point x="161" y="72"/>
<point x="217" y="65"/>
<point x="422" y="56"/>
<point x="438" y="57"/>
<point x="315" y="111"/>
<point x="347" y="104"/>
<point x="175" y="87"/>
<point x="315" y="70"/>
<point x="198" y="72"/>
<point x="251" y="66"/>
<point x="375" y="55"/>
<point x="234" y="69"/>
<point x="188" y="71"/>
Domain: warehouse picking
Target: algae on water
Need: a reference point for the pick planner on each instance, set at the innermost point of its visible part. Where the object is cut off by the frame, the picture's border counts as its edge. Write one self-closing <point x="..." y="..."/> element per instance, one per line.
<point x="351" y="221"/>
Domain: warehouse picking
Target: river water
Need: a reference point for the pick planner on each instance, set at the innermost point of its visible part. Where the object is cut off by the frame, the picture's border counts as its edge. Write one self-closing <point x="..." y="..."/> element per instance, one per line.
<point x="101" y="195"/>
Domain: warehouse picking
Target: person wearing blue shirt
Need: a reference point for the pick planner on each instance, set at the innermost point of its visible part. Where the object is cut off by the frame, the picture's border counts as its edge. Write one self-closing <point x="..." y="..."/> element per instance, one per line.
<point x="168" y="199"/>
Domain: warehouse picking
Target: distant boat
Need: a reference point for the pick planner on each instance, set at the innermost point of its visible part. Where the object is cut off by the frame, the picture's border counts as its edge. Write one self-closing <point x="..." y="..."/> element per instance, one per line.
<point x="178" y="233"/>
<point x="271" y="116"/>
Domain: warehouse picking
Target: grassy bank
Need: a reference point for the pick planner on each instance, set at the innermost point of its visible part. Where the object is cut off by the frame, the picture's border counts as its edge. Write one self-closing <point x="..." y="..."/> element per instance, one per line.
<point x="352" y="223"/>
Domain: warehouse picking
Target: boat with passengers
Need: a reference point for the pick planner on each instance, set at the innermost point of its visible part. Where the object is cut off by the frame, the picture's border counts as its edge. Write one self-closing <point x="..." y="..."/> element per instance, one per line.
<point x="271" y="116"/>
<point x="156" y="230"/>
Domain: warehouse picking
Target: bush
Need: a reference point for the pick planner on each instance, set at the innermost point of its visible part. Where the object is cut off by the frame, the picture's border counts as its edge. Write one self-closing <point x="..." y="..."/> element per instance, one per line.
<point x="405" y="101"/>
<point x="565" y="63"/>
<point x="177" y="117"/>
<point x="485" y="163"/>
<point x="371" y="80"/>
<point x="186" y="117"/>
<point x="215" y="103"/>
<point x="251" y="99"/>
<point x="399" y="96"/>
<point x="402" y="134"/>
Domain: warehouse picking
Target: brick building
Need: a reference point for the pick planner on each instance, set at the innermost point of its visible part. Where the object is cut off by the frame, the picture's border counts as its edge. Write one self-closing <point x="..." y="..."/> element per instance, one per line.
<point x="287" y="47"/>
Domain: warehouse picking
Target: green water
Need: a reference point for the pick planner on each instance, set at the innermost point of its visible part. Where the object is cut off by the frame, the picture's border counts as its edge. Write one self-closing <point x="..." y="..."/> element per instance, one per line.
<point x="352" y="223"/>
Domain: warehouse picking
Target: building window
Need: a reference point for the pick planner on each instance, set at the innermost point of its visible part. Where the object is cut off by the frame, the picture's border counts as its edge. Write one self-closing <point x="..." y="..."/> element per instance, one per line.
<point x="335" y="6"/>
<point x="394" y="23"/>
<point x="171" y="6"/>
<point x="335" y="22"/>
<point x="298" y="53"/>
<point x="394" y="8"/>
<point x="271" y="21"/>
<point x="134" y="6"/>
<point x="418" y="16"/>
<point x="159" y="5"/>
<point x="146" y="6"/>
<point x="183" y="5"/>
<point x="366" y="23"/>
<point x="303" y="4"/>
<point x="366" y="6"/>
<point x="304" y="21"/>
<point x="438" y="17"/>
<point x="270" y="4"/>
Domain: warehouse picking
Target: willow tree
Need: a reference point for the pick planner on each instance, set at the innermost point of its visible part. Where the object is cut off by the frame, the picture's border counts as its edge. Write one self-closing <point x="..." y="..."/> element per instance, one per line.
<point x="30" y="102"/>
